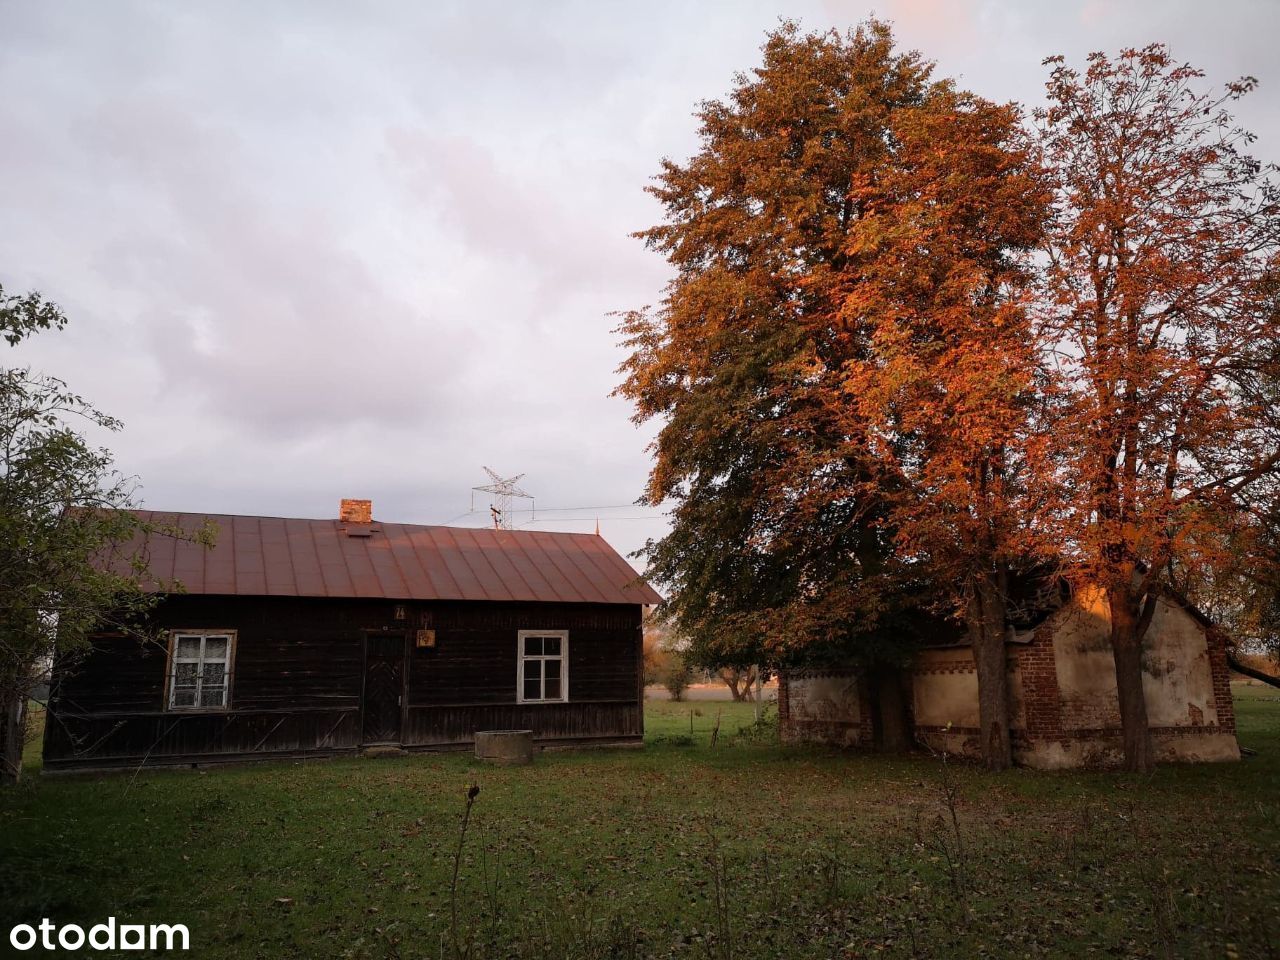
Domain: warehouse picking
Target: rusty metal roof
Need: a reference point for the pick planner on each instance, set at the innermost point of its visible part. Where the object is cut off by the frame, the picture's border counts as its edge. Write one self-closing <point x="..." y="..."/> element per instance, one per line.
<point x="278" y="557"/>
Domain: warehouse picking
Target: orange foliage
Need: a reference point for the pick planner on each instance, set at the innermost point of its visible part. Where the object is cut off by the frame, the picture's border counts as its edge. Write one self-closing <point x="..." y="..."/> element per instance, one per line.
<point x="910" y="343"/>
<point x="1161" y="308"/>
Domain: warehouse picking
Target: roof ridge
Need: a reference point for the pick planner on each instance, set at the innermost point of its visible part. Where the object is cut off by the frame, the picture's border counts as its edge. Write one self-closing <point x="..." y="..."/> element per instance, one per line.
<point x="376" y="521"/>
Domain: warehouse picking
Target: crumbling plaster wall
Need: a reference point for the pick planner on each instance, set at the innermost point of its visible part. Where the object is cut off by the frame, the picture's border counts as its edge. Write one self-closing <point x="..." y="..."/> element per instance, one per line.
<point x="1177" y="677"/>
<point x="944" y="699"/>
<point x="945" y="689"/>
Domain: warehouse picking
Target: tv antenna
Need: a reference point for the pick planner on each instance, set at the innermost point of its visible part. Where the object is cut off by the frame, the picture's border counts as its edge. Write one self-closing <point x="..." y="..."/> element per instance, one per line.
<point x="502" y="490"/>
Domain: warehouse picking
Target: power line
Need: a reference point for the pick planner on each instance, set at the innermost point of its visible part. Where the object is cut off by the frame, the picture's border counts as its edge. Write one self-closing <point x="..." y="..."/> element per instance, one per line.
<point x="611" y="506"/>
<point x="455" y="519"/>
<point x="583" y="519"/>
<point x="657" y="515"/>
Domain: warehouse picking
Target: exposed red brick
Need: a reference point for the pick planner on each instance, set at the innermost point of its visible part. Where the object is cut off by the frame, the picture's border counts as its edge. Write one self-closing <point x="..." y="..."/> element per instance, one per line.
<point x="1222" y="701"/>
<point x="1042" y="701"/>
<point x="356" y="511"/>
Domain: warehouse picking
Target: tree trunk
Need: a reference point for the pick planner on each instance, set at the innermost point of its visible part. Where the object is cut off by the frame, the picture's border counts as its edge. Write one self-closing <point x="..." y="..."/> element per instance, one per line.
<point x="739" y="684"/>
<point x="13" y="728"/>
<point x="1126" y="648"/>
<point x="986" y="622"/>
<point x="891" y="711"/>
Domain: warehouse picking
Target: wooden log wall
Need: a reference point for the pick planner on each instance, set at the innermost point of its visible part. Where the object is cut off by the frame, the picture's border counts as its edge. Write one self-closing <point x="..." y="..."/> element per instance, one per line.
<point x="298" y="675"/>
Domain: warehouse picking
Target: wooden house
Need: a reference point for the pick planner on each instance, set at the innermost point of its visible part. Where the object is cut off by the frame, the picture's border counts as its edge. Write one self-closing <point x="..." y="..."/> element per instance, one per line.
<point x="296" y="638"/>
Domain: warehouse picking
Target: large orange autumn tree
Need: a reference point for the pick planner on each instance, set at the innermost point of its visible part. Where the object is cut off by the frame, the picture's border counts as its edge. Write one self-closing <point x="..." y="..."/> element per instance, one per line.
<point x="1161" y="262"/>
<point x="842" y="365"/>
<point x="769" y="548"/>
<point x="947" y="393"/>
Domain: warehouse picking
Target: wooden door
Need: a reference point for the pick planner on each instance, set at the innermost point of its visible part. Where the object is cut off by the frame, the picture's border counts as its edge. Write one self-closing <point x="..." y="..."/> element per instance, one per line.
<point x="383" y="687"/>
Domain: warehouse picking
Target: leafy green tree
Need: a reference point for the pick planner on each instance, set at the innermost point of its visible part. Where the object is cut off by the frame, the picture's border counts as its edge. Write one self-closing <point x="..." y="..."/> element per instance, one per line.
<point x="758" y="574"/>
<point x="25" y="314"/>
<point x="69" y="563"/>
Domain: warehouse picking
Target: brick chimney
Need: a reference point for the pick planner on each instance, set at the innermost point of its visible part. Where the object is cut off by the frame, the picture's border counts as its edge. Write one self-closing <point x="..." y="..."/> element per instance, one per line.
<point x="356" y="511"/>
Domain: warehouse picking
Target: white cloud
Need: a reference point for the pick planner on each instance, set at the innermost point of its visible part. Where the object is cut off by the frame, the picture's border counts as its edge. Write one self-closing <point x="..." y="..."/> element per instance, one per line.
<point x="324" y="250"/>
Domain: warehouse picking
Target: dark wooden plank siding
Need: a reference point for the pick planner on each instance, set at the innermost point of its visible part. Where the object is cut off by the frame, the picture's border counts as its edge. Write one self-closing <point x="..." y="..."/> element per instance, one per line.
<point x="475" y="657"/>
<point x="449" y="725"/>
<point x="118" y="674"/>
<point x="299" y="669"/>
<point x="129" y="739"/>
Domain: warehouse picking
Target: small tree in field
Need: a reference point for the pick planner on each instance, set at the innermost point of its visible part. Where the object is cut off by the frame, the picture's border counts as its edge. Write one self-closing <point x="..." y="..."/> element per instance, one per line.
<point x="676" y="674"/>
<point x="1161" y="259"/>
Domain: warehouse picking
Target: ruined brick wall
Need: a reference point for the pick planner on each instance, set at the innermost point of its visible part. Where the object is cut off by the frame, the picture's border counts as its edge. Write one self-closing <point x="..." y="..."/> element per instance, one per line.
<point x="1179" y="673"/>
<point x="1224" y="706"/>
<point x="822" y="707"/>
<point x="1042" y="701"/>
<point x="1062" y="691"/>
<point x="1184" y="681"/>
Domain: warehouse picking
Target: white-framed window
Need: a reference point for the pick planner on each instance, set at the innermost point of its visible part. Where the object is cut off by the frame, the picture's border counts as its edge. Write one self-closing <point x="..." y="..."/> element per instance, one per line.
<point x="200" y="669"/>
<point x="544" y="666"/>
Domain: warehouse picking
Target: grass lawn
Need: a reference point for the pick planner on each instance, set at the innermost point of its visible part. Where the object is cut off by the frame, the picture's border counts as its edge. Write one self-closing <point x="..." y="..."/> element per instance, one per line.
<point x="684" y="850"/>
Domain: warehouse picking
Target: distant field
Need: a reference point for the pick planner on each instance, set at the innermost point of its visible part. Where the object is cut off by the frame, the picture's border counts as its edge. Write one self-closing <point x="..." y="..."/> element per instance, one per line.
<point x="705" y="691"/>
<point x="679" y="850"/>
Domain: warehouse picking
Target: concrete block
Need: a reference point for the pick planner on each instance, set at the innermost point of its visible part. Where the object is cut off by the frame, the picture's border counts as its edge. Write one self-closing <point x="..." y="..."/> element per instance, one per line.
<point x="504" y="746"/>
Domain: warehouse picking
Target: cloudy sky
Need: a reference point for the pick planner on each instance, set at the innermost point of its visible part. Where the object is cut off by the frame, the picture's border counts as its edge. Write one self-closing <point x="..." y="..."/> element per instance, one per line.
<point x="316" y="250"/>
